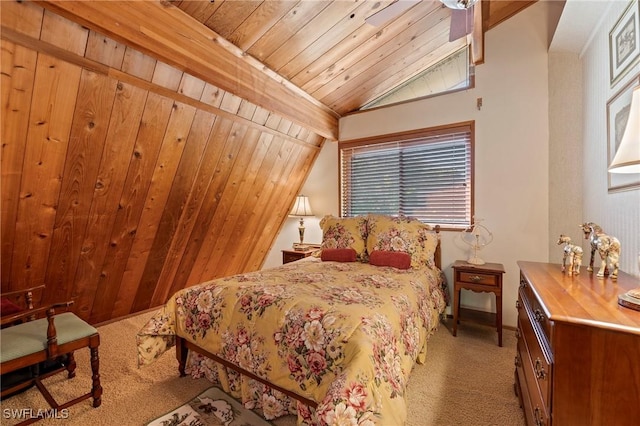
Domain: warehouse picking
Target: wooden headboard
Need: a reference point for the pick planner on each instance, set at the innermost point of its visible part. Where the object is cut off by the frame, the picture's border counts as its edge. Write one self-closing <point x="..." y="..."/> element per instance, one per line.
<point x="437" y="256"/>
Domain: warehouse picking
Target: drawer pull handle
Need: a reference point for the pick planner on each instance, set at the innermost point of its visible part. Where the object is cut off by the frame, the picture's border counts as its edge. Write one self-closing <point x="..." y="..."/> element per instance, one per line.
<point x="539" y="315"/>
<point x="523" y="283"/>
<point x="537" y="416"/>
<point x="476" y="278"/>
<point x="518" y="335"/>
<point x="517" y="304"/>
<point x="516" y="361"/>
<point x="539" y="370"/>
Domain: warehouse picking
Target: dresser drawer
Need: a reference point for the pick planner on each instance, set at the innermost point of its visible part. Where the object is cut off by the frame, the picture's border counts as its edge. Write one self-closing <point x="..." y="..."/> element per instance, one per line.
<point x="538" y="314"/>
<point x="533" y="404"/>
<point x="478" y="278"/>
<point x="537" y="362"/>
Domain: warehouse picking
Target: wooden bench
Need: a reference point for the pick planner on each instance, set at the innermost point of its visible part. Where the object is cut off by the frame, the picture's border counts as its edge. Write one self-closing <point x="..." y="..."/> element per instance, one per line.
<point x="28" y="342"/>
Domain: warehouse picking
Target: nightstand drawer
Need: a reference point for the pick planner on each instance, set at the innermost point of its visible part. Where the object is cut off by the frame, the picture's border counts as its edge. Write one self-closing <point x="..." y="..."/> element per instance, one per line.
<point x="293" y="255"/>
<point x="478" y="278"/>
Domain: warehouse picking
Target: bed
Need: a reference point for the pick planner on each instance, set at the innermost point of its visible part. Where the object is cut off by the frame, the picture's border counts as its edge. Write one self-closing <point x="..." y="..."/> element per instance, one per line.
<point x="331" y="338"/>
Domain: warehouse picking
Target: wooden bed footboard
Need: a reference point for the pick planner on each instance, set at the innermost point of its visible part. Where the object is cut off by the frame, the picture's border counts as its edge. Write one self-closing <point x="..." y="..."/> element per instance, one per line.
<point x="183" y="347"/>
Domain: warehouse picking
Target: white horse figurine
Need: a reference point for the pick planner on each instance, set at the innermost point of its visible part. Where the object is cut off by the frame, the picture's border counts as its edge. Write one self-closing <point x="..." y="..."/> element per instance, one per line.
<point x="608" y="247"/>
<point x="573" y="253"/>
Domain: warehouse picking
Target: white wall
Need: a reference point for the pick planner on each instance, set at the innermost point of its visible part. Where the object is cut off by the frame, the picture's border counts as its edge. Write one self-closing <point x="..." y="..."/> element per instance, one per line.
<point x="565" y="151"/>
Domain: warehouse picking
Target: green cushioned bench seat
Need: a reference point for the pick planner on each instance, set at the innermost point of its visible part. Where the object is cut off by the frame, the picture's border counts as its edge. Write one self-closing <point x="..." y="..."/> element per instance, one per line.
<point x="31" y="337"/>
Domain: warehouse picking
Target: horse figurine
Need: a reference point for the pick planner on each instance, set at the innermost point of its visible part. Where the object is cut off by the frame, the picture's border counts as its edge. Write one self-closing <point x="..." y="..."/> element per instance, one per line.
<point x="573" y="253"/>
<point x="608" y="247"/>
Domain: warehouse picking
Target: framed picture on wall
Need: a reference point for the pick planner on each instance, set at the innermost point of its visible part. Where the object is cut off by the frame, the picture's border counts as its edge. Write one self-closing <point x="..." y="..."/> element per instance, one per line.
<point x="617" y="116"/>
<point x="624" y="42"/>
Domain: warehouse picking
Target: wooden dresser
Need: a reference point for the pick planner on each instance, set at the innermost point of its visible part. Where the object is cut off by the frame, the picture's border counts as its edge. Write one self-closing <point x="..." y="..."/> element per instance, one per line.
<point x="578" y="351"/>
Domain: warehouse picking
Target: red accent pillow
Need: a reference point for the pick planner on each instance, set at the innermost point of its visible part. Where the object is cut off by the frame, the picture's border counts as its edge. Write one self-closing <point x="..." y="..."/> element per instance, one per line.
<point x="395" y="259"/>
<point x="338" y="255"/>
<point x="8" y="307"/>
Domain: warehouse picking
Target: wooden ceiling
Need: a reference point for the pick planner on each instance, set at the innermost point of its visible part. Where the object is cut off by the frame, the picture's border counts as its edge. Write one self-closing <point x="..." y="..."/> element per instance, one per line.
<point x="326" y="48"/>
<point x="312" y="61"/>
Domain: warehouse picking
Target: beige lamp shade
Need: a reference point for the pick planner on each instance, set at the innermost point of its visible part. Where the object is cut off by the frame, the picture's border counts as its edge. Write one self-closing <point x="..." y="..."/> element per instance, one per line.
<point x="627" y="158"/>
<point x="301" y="207"/>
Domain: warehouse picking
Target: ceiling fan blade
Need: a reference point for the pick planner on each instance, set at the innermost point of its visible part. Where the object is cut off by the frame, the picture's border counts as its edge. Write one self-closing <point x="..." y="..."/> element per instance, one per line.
<point x="461" y="23"/>
<point x="395" y="9"/>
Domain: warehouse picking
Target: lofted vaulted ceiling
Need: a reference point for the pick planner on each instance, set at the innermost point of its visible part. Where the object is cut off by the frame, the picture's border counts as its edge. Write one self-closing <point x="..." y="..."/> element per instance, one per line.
<point x="329" y="50"/>
<point x="310" y="60"/>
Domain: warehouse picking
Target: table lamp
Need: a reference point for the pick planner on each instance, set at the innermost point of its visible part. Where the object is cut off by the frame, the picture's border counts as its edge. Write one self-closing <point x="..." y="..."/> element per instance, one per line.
<point x="301" y="208"/>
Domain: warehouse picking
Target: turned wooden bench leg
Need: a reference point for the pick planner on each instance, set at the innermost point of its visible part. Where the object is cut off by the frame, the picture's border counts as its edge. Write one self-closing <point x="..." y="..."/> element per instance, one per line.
<point x="71" y="365"/>
<point x="96" y="388"/>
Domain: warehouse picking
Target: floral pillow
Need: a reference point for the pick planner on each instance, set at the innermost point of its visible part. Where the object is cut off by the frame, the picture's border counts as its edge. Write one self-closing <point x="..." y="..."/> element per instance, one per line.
<point x="348" y="232"/>
<point x="403" y="234"/>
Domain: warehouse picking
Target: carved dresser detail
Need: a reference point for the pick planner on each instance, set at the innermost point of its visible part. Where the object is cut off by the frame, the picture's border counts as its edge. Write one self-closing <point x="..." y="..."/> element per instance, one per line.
<point x="578" y="351"/>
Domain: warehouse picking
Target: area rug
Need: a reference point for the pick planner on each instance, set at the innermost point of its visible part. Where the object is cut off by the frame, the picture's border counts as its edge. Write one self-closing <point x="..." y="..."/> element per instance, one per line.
<point x="211" y="408"/>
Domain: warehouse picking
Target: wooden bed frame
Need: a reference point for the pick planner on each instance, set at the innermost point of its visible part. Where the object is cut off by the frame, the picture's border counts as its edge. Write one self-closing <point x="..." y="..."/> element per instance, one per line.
<point x="183" y="347"/>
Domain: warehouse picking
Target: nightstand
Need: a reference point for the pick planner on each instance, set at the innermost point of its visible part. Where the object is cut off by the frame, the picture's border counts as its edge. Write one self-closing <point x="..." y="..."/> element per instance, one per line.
<point x="478" y="278"/>
<point x="293" y="255"/>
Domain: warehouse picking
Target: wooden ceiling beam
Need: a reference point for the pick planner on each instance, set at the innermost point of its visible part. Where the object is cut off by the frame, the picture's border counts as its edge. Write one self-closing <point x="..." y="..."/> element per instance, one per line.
<point x="166" y="33"/>
<point x="500" y="11"/>
<point x="480" y="10"/>
<point x="487" y="14"/>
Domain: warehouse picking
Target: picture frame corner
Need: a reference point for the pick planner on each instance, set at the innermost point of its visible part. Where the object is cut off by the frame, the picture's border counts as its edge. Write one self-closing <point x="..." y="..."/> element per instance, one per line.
<point x="628" y="23"/>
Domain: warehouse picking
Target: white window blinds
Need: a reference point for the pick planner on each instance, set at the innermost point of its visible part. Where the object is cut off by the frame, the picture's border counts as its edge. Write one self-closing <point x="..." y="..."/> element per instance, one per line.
<point x="428" y="176"/>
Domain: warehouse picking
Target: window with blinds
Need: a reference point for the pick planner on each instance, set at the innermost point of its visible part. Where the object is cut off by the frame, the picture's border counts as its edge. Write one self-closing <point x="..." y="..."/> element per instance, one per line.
<point x="425" y="174"/>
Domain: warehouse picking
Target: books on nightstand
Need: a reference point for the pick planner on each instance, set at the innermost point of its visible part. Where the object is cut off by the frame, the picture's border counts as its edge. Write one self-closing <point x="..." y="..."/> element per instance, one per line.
<point x="305" y="247"/>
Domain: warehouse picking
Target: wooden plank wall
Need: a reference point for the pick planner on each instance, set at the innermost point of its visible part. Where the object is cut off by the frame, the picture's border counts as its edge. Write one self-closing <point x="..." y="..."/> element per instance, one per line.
<point x="125" y="179"/>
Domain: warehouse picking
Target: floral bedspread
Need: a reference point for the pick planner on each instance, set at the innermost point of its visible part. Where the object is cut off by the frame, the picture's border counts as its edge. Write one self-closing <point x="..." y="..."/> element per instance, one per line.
<point x="345" y="335"/>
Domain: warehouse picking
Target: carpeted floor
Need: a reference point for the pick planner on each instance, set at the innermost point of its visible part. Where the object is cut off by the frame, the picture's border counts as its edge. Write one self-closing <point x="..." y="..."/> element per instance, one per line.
<point x="467" y="380"/>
